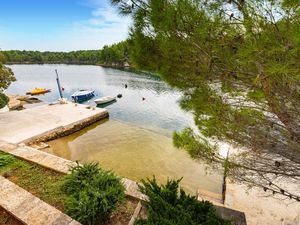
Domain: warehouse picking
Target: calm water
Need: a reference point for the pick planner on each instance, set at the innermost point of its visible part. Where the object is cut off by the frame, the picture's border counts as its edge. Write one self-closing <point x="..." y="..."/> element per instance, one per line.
<point x="136" y="141"/>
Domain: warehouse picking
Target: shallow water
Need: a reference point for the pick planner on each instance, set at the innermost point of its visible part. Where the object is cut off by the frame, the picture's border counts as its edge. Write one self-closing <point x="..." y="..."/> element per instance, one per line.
<point x="136" y="141"/>
<point x="136" y="153"/>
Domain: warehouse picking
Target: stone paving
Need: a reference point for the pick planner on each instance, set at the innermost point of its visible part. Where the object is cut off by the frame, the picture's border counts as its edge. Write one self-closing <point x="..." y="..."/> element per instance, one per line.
<point x="47" y="120"/>
<point x="29" y="209"/>
<point x="260" y="209"/>
<point x="205" y="195"/>
<point x="59" y="164"/>
<point x="10" y="197"/>
<point x="42" y="158"/>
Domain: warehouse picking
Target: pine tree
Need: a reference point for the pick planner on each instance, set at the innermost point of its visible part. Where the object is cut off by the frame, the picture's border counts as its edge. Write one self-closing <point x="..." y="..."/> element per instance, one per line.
<point x="237" y="63"/>
<point x="6" y="77"/>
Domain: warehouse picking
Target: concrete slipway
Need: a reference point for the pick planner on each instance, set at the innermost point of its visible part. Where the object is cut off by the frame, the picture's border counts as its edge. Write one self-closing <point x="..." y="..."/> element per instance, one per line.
<point x="47" y="122"/>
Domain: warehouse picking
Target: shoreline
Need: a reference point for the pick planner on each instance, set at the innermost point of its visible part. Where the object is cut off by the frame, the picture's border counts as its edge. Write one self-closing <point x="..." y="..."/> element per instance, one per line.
<point x="257" y="209"/>
<point x="47" y="122"/>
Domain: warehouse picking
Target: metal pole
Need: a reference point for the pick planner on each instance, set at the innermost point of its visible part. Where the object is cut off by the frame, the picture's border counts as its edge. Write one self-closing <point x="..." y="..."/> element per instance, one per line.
<point x="58" y="84"/>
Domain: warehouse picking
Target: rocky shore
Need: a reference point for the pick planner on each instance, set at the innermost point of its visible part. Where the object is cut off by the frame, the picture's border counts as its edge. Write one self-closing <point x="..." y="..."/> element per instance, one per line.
<point x="17" y="102"/>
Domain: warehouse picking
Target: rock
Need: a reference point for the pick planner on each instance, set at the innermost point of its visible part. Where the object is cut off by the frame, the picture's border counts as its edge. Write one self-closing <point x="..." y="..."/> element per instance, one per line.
<point x="32" y="100"/>
<point x="40" y="145"/>
<point x="17" y="102"/>
<point x="14" y="103"/>
<point x="22" y="97"/>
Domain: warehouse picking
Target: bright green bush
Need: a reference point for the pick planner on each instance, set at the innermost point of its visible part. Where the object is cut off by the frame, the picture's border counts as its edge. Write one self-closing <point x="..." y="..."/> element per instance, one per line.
<point x="169" y="206"/>
<point x="93" y="193"/>
<point x="3" y="100"/>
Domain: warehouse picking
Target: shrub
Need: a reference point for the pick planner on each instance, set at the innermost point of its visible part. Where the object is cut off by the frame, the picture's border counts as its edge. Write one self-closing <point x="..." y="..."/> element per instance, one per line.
<point x="3" y="100"/>
<point x="92" y="193"/>
<point x="169" y="206"/>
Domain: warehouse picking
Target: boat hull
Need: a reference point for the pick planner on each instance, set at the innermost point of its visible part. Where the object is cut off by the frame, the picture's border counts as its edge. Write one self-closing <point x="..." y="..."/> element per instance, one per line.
<point x="104" y="100"/>
<point x="83" y="97"/>
<point x="38" y="93"/>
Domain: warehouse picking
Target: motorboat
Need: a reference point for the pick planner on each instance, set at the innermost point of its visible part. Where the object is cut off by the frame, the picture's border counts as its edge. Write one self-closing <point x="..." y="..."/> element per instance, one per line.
<point x="38" y="91"/>
<point x="82" y="95"/>
<point x="104" y="100"/>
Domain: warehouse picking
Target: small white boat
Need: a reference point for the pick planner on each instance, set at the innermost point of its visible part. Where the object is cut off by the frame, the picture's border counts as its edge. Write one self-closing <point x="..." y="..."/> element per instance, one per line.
<point x="104" y="100"/>
<point x="82" y="95"/>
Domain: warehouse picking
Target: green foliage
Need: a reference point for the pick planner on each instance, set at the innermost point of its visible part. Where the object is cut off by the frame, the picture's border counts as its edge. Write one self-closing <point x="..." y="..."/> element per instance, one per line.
<point x="256" y="95"/>
<point x="5" y="160"/>
<point x="3" y="100"/>
<point x="169" y="206"/>
<point x="237" y="64"/>
<point x="93" y="193"/>
<point x="116" y="54"/>
<point x="197" y="148"/>
<point x="6" y="75"/>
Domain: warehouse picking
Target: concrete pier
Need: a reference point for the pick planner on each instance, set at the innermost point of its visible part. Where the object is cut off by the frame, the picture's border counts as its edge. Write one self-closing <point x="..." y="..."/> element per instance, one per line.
<point x="47" y="122"/>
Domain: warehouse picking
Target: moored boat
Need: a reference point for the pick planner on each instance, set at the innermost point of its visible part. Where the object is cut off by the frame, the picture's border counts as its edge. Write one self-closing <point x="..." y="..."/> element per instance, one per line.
<point x="38" y="91"/>
<point x="82" y="95"/>
<point x="104" y="100"/>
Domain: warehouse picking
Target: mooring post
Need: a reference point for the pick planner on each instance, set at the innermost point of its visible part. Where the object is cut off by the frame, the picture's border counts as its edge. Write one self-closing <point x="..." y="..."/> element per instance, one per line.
<point x="58" y="84"/>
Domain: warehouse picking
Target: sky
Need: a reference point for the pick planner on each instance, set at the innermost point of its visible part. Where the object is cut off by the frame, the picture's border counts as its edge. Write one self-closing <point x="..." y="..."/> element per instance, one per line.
<point x="60" y="25"/>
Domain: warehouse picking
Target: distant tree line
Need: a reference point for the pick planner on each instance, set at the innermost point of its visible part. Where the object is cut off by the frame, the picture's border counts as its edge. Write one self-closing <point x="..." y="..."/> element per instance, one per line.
<point x="114" y="55"/>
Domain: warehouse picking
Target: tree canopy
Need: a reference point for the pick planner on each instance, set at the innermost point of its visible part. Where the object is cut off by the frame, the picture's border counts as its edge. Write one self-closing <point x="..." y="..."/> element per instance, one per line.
<point x="116" y="54"/>
<point x="237" y="63"/>
<point x="6" y="77"/>
<point x="6" y="74"/>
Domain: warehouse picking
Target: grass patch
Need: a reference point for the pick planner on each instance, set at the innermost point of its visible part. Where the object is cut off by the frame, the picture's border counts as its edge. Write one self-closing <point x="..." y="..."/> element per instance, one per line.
<point x="89" y="194"/>
<point x="41" y="182"/>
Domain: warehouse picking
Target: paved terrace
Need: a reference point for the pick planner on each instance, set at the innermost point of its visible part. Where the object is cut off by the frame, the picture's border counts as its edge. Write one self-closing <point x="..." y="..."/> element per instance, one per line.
<point x="47" y="121"/>
<point x="59" y="164"/>
<point x="29" y="209"/>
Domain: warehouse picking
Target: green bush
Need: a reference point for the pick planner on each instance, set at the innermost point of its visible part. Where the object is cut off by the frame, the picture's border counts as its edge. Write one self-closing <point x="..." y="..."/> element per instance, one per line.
<point x="3" y="100"/>
<point x="168" y="206"/>
<point x="92" y="193"/>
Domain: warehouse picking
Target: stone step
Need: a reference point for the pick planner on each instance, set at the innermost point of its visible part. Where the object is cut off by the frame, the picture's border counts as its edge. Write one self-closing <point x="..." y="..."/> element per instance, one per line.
<point x="206" y="195"/>
<point x="135" y="214"/>
<point x="29" y="209"/>
<point x="42" y="158"/>
<point x="60" y="165"/>
<point x="291" y="222"/>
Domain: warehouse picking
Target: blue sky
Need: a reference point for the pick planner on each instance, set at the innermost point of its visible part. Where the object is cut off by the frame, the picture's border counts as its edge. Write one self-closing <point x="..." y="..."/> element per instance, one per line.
<point x="60" y="25"/>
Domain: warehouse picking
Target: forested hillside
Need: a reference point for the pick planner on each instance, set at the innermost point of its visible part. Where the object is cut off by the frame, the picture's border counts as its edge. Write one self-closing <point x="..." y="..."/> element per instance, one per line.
<point x="114" y="55"/>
